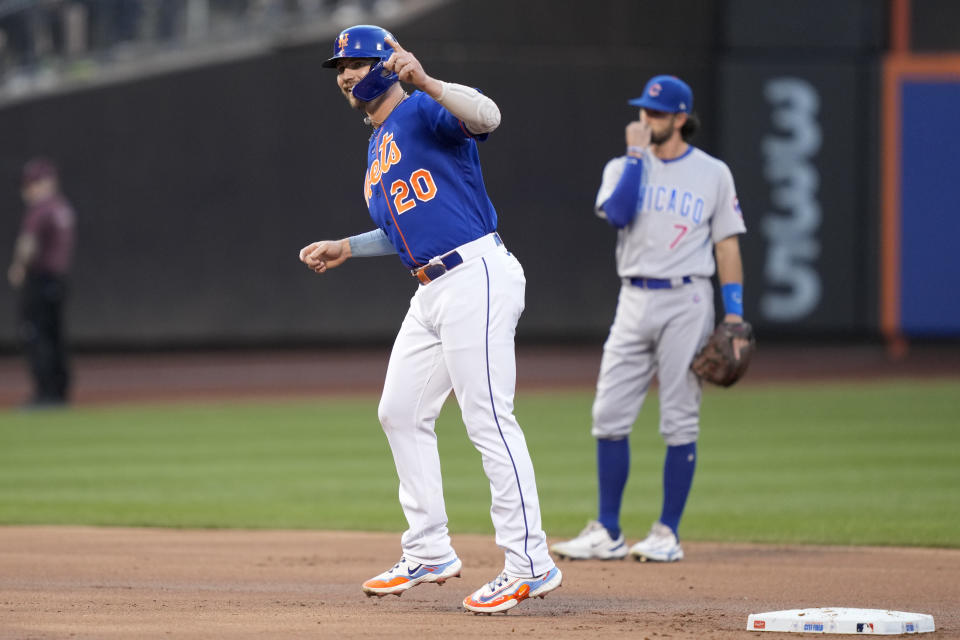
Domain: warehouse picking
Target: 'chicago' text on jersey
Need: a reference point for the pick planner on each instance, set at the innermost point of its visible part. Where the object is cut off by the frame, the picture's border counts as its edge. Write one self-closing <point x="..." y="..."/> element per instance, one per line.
<point x="662" y="199"/>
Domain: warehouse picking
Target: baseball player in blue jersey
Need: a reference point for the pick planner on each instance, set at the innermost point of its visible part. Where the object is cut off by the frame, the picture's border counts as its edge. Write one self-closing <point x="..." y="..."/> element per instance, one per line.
<point x="674" y="207"/>
<point x="424" y="190"/>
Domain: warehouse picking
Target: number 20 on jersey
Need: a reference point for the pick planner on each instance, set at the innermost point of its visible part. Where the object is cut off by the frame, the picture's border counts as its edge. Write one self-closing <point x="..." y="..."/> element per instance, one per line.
<point x="420" y="182"/>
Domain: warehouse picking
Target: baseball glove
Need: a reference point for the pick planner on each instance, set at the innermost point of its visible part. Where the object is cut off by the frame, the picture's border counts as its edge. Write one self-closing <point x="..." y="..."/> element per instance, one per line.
<point x="725" y="357"/>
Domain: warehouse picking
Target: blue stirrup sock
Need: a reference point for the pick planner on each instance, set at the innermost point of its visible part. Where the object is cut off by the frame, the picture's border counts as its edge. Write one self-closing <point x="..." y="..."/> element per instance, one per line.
<point x="677" y="478"/>
<point x="613" y="467"/>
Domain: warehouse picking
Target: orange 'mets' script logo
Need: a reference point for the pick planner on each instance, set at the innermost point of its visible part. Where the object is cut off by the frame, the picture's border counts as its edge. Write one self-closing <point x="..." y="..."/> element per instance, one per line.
<point x="342" y="40"/>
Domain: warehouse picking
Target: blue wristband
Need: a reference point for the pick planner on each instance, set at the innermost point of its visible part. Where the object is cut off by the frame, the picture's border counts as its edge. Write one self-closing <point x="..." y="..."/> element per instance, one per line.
<point x="733" y="298"/>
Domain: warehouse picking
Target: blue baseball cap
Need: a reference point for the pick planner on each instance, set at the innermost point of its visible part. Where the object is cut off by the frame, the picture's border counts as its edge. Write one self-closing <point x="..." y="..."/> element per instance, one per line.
<point x="666" y="93"/>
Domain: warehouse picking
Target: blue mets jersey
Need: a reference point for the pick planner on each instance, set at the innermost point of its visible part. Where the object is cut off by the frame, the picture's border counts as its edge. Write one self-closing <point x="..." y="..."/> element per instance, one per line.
<point x="423" y="184"/>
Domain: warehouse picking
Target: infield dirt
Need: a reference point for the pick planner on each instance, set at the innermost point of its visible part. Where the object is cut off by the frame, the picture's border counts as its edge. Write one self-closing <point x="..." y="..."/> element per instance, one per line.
<point x="123" y="583"/>
<point x="112" y="583"/>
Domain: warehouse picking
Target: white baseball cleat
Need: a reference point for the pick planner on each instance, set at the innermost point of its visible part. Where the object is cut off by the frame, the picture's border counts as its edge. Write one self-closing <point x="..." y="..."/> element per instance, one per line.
<point x="660" y="545"/>
<point x="593" y="543"/>
<point x="406" y="574"/>
<point x="506" y="591"/>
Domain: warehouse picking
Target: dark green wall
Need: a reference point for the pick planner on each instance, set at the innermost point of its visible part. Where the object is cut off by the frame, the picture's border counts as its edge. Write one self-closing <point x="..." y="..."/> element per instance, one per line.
<point x="196" y="190"/>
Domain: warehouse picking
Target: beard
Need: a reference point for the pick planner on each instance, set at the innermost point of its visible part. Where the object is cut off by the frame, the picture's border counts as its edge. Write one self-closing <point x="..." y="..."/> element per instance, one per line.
<point x="360" y="105"/>
<point x="354" y="103"/>
<point x="659" y="137"/>
<point x="662" y="136"/>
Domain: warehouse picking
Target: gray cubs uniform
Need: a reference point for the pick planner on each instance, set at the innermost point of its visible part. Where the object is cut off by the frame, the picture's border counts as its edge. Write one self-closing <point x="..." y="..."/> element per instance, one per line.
<point x="673" y="206"/>
<point x="685" y="205"/>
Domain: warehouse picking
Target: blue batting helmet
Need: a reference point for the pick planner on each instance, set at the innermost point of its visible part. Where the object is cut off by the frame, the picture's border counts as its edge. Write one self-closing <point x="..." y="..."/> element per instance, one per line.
<point x="666" y="93"/>
<point x="365" y="41"/>
<point x="361" y="41"/>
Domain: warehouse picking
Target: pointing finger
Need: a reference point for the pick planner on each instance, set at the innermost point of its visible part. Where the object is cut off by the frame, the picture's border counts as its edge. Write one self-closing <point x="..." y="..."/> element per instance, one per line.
<point x="394" y="44"/>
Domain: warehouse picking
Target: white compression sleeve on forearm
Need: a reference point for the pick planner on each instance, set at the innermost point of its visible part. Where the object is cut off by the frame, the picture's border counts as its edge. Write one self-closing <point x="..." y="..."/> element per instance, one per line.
<point x="371" y="243"/>
<point x="478" y="112"/>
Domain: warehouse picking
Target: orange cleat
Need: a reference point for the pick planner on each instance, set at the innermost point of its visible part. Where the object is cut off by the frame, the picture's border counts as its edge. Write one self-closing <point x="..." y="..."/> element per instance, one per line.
<point x="507" y="591"/>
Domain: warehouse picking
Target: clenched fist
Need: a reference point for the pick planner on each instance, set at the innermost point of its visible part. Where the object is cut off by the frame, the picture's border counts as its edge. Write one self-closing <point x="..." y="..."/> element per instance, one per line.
<point x="326" y="254"/>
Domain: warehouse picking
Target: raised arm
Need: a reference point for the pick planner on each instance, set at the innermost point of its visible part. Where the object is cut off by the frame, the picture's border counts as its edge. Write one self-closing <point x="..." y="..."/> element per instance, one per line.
<point x="479" y="113"/>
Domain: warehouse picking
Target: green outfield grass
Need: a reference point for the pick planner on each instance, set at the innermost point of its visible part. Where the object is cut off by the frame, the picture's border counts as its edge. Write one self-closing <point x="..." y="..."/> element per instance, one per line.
<point x="842" y="463"/>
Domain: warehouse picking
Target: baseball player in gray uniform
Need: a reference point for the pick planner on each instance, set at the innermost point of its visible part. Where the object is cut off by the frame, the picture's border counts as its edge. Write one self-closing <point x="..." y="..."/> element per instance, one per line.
<point x="674" y="207"/>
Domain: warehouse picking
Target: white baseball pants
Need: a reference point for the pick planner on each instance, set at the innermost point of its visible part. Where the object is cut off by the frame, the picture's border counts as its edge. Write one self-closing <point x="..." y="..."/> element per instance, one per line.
<point x="459" y="335"/>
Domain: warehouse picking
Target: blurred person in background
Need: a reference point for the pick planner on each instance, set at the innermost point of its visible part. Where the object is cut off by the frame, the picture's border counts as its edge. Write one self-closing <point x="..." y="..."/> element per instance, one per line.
<point x="32" y="35"/>
<point x="41" y="262"/>
<point x="6" y="60"/>
<point x="17" y="37"/>
<point x="113" y="25"/>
